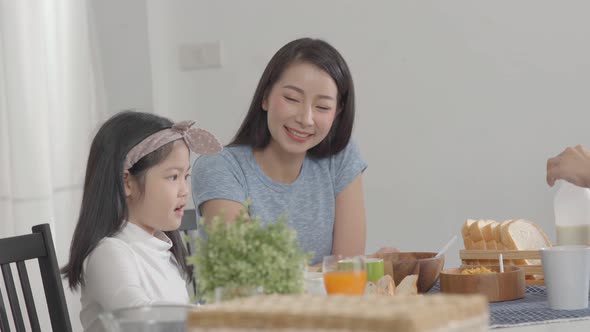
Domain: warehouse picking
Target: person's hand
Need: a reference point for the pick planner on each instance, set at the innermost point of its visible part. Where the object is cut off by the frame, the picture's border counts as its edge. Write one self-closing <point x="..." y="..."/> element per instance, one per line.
<point x="386" y="250"/>
<point x="572" y="165"/>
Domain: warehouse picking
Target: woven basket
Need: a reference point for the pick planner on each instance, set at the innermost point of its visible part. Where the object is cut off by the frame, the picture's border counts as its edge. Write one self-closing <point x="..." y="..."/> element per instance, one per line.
<point x="344" y="313"/>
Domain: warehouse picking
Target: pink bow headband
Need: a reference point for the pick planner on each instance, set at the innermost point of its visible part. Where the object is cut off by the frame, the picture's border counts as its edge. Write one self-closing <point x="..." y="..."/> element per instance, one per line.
<point x="198" y="140"/>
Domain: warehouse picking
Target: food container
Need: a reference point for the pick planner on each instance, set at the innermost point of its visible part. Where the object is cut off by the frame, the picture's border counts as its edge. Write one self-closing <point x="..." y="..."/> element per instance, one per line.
<point x="498" y="286"/>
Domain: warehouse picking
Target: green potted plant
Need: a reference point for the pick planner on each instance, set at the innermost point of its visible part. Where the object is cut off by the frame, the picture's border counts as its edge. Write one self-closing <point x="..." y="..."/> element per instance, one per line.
<point x="247" y="254"/>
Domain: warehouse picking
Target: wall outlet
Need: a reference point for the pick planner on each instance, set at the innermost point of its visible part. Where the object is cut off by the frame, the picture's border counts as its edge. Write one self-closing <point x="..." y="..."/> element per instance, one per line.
<point x="199" y="55"/>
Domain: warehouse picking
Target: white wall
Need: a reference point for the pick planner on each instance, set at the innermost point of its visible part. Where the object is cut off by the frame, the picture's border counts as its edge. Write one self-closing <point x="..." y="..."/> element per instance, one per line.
<point x="459" y="103"/>
<point x="122" y="33"/>
<point x="120" y="28"/>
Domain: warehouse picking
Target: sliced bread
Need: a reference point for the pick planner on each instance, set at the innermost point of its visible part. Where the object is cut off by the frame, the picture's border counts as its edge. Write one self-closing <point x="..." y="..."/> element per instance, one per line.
<point x="476" y="234"/>
<point x="408" y="286"/>
<point x="520" y="234"/>
<point x="467" y="241"/>
<point x="489" y="239"/>
<point x="496" y="229"/>
<point x="386" y="285"/>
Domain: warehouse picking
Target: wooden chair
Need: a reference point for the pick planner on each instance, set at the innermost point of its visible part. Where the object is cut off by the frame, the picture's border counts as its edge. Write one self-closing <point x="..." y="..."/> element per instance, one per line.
<point x="18" y="249"/>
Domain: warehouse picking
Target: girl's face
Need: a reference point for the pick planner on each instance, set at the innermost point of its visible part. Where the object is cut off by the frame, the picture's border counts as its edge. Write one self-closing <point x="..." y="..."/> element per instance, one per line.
<point x="165" y="194"/>
<point x="301" y="108"/>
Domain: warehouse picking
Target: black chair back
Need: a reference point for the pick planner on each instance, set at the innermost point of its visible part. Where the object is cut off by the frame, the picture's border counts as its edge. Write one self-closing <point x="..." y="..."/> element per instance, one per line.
<point x="17" y="250"/>
<point x="189" y="221"/>
<point x="188" y="224"/>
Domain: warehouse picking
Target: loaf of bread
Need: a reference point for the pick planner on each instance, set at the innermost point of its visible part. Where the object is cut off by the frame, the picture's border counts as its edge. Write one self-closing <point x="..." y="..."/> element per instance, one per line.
<point x="513" y="234"/>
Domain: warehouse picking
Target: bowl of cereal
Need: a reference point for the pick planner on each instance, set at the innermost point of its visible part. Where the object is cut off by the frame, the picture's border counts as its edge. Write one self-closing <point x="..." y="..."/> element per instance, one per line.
<point x="487" y="280"/>
<point x="424" y="264"/>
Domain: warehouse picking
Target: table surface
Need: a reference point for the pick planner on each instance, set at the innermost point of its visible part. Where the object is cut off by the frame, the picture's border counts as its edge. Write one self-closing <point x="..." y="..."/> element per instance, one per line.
<point x="534" y="298"/>
<point x="575" y="326"/>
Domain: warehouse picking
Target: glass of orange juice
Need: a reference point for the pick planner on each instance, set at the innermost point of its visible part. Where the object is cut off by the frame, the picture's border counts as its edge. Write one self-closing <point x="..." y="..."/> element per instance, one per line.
<point x="345" y="275"/>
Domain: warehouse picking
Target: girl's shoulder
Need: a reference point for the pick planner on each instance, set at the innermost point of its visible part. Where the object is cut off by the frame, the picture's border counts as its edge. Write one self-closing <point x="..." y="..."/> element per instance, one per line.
<point x="108" y="248"/>
<point x="108" y="253"/>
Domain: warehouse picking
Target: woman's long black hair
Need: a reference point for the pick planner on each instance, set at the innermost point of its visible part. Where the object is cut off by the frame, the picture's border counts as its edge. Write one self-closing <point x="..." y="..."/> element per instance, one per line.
<point x="104" y="208"/>
<point x="254" y="129"/>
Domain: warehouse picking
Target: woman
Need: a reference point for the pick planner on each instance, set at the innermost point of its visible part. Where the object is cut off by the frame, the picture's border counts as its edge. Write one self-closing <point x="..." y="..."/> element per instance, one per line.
<point x="293" y="156"/>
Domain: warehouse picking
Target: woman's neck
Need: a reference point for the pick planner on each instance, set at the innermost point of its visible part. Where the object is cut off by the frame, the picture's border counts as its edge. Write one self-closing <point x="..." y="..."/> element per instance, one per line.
<point x="279" y="166"/>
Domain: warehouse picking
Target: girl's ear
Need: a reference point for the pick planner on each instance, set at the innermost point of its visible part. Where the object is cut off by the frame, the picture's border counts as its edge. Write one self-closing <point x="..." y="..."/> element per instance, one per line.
<point x="128" y="183"/>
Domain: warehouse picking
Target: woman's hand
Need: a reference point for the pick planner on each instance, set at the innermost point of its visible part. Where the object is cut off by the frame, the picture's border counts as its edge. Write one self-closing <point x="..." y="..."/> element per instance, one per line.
<point x="386" y="250"/>
<point x="572" y="165"/>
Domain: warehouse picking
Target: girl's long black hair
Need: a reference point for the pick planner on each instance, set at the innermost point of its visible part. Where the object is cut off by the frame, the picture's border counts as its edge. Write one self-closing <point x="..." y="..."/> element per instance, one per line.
<point x="104" y="208"/>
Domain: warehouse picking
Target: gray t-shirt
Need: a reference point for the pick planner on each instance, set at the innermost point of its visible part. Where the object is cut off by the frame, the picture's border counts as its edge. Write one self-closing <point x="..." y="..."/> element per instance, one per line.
<point x="308" y="203"/>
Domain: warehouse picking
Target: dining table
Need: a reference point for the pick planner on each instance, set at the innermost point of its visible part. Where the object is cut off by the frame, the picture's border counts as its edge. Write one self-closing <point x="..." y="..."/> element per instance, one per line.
<point x="532" y="313"/>
<point x="528" y="314"/>
<point x="561" y="326"/>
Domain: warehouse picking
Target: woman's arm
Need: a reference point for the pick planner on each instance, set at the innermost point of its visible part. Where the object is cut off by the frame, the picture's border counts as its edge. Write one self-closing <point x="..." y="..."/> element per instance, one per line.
<point x="218" y="186"/>
<point x="350" y="222"/>
<point x="229" y="209"/>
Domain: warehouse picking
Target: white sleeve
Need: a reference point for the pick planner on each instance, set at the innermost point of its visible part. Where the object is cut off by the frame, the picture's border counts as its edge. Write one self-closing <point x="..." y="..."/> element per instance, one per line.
<point x="111" y="276"/>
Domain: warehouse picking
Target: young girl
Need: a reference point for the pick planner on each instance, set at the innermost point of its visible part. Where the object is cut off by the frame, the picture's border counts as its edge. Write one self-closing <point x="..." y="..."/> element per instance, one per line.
<point x="126" y="250"/>
<point x="293" y="154"/>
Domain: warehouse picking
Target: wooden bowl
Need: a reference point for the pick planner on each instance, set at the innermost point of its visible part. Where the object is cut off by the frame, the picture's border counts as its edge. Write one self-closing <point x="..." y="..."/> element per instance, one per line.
<point x="505" y="286"/>
<point x="424" y="264"/>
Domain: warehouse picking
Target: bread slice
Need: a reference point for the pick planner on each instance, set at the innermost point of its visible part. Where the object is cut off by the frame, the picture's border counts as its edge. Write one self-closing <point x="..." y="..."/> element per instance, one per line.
<point x="467" y="241"/>
<point x="496" y="229"/>
<point x="507" y="244"/>
<point x="386" y="285"/>
<point x="520" y="234"/>
<point x="489" y="235"/>
<point x="475" y="231"/>
<point x="371" y="289"/>
<point x="468" y="244"/>
<point x="476" y="235"/>
<point x="489" y="240"/>
<point x="503" y="233"/>
<point x="408" y="285"/>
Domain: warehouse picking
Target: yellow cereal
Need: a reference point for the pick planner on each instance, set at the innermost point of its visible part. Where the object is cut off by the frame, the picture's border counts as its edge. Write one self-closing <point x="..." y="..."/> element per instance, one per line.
<point x="477" y="270"/>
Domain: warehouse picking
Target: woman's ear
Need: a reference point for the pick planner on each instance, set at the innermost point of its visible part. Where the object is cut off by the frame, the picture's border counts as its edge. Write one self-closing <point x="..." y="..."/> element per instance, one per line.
<point x="265" y="104"/>
<point x="128" y="183"/>
<point x="265" y="100"/>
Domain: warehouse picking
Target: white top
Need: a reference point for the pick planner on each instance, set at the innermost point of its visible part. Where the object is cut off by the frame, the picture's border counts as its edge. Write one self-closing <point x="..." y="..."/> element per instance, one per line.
<point x="132" y="268"/>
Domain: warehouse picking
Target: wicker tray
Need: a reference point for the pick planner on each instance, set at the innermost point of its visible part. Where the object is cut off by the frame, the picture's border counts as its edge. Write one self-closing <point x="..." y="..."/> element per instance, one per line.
<point x="422" y="313"/>
<point x="532" y="267"/>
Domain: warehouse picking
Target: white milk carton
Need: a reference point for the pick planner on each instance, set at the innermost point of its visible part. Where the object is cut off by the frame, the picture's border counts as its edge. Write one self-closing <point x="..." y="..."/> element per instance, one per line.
<point x="571" y="205"/>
